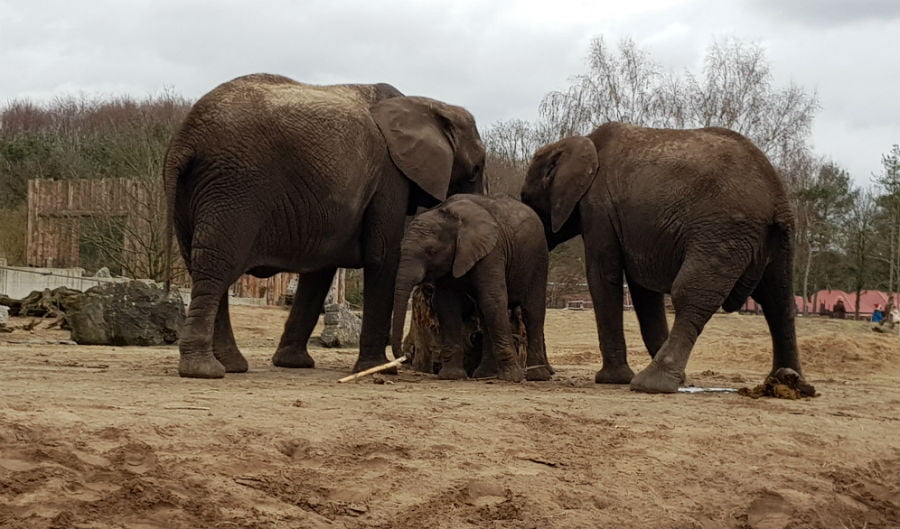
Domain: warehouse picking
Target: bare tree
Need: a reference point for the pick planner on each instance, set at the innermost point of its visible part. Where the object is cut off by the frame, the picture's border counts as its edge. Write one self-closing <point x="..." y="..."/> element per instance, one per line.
<point x="858" y="233"/>
<point x="889" y="203"/>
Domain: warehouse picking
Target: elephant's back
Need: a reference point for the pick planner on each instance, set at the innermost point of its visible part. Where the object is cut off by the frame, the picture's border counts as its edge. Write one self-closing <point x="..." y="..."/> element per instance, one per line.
<point x="294" y="129"/>
<point x="697" y="173"/>
<point x="279" y="101"/>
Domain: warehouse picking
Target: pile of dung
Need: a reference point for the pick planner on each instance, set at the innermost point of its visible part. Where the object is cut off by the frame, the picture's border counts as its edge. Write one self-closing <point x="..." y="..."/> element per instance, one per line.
<point x="782" y="384"/>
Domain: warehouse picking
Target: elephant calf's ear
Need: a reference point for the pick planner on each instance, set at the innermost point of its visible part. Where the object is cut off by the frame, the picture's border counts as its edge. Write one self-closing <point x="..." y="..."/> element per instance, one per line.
<point x="418" y="144"/>
<point x="477" y="236"/>
<point x="570" y="177"/>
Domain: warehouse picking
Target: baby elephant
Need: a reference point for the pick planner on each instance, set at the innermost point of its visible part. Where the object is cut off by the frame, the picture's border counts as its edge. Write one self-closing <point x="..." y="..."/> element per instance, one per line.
<point x="494" y="250"/>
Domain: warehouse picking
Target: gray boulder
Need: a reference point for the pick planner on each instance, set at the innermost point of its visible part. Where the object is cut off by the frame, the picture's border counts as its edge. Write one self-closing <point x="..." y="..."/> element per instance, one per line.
<point x="132" y="313"/>
<point x="342" y="327"/>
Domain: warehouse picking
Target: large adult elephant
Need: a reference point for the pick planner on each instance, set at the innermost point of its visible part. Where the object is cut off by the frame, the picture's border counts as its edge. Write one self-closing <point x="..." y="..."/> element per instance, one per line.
<point x="268" y="174"/>
<point x="700" y="214"/>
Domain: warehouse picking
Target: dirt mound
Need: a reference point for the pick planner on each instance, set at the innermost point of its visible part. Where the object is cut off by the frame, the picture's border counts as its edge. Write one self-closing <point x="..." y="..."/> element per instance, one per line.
<point x="849" y="353"/>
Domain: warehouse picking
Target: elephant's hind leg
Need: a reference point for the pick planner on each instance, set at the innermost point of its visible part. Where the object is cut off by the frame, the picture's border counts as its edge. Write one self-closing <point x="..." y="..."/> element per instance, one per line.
<point x="537" y="366"/>
<point x="312" y="289"/>
<point x="196" y="344"/>
<point x="225" y="349"/>
<point x="777" y="299"/>
<point x="650" y="309"/>
<point x="217" y="259"/>
<point x="697" y="293"/>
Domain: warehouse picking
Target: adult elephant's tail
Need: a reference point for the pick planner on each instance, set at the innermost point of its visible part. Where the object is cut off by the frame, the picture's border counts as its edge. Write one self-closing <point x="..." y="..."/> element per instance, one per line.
<point x="177" y="163"/>
<point x="779" y="240"/>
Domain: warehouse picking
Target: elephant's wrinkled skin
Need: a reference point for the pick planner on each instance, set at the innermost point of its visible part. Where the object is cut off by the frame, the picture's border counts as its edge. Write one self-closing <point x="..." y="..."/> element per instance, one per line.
<point x="700" y="214"/>
<point x="494" y="250"/>
<point x="267" y="174"/>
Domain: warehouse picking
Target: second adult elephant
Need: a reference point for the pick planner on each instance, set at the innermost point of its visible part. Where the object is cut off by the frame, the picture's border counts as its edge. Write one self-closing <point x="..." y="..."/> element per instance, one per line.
<point x="700" y="214"/>
<point x="267" y="174"/>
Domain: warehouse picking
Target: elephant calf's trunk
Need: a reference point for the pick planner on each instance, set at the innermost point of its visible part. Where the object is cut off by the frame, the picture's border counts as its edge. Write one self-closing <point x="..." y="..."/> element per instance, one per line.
<point x="406" y="280"/>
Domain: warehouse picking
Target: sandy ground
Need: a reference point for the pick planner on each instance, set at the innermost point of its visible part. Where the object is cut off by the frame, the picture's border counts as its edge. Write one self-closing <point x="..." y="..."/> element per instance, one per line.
<point x="112" y="437"/>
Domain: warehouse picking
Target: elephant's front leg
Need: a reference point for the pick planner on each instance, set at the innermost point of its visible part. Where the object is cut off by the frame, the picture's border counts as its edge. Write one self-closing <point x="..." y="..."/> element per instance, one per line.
<point x="494" y="306"/>
<point x="383" y="229"/>
<point x="448" y="309"/>
<point x="312" y="289"/>
<point x="606" y="294"/>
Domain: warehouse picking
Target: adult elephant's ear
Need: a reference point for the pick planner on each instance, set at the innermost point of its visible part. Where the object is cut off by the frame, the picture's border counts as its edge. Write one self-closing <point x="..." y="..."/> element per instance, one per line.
<point x="477" y="234"/>
<point x="569" y="176"/>
<point x="418" y="138"/>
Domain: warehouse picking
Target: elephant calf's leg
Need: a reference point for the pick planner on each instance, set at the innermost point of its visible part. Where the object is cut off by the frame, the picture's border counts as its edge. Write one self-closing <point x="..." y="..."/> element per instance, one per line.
<point x="225" y="348"/>
<point x="312" y="289"/>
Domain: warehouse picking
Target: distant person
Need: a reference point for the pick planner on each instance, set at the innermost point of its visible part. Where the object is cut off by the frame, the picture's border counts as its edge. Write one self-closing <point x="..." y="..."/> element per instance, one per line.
<point x="891" y="319"/>
<point x="877" y="315"/>
<point x="888" y="309"/>
<point x="839" y="310"/>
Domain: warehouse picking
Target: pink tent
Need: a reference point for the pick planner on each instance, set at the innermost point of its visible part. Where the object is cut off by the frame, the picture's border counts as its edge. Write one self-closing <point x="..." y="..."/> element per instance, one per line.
<point x="752" y="306"/>
<point x="868" y="299"/>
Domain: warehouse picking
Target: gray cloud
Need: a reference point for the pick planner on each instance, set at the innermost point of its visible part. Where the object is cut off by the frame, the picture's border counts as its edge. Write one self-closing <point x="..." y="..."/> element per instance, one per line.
<point x="496" y="58"/>
<point x="827" y="13"/>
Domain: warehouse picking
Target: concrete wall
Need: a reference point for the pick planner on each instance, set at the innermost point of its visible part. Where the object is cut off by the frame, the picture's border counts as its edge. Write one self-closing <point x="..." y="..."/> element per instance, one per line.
<point x="17" y="282"/>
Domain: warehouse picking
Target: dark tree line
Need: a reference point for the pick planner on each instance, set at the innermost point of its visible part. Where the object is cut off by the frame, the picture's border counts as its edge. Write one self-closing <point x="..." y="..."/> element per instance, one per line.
<point x="83" y="138"/>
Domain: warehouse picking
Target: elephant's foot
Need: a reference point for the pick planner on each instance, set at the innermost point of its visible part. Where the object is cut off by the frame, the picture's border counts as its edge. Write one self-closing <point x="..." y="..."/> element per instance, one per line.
<point x="614" y="375"/>
<point x="485" y="370"/>
<point x="200" y="365"/>
<point x="513" y="373"/>
<point x="655" y="379"/>
<point x="538" y="373"/>
<point x="232" y="359"/>
<point x="292" y="356"/>
<point x="365" y="363"/>
<point x="452" y="373"/>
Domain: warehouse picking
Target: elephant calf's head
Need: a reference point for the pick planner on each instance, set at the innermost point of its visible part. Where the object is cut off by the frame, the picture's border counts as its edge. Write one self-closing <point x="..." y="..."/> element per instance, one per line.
<point x="445" y="241"/>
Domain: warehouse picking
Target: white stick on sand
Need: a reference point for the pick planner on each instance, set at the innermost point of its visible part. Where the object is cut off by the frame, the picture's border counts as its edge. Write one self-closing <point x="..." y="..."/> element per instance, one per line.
<point x="375" y="369"/>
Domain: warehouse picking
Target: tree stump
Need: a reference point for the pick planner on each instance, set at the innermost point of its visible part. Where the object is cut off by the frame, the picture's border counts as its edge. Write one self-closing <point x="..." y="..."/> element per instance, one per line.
<point x="422" y="342"/>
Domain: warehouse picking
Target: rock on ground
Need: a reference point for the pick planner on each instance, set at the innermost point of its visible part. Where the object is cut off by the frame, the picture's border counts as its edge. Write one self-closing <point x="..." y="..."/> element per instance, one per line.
<point x="132" y="313"/>
<point x="342" y="327"/>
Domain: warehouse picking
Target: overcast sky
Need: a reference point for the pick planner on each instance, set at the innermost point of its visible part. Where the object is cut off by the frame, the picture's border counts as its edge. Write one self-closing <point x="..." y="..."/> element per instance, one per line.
<point x="496" y="58"/>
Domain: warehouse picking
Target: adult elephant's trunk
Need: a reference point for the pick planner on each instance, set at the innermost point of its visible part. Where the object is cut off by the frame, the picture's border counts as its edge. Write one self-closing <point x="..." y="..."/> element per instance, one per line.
<point x="409" y="274"/>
